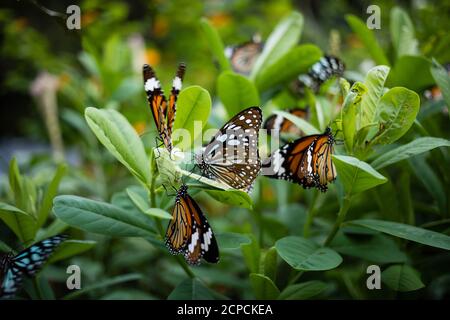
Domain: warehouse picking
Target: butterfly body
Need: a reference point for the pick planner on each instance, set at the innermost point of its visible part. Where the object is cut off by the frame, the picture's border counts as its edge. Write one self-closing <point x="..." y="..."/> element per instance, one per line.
<point x="306" y="161"/>
<point x="26" y="263"/>
<point x="232" y="156"/>
<point x="189" y="232"/>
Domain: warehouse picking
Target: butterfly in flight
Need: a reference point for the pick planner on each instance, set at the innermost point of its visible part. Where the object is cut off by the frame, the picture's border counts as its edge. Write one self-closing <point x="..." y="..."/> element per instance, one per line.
<point x="306" y="161"/>
<point x="163" y="112"/>
<point x="243" y="56"/>
<point x="189" y="232"/>
<point x="232" y="156"/>
<point x="327" y="67"/>
<point x="279" y="123"/>
<point x="27" y="263"/>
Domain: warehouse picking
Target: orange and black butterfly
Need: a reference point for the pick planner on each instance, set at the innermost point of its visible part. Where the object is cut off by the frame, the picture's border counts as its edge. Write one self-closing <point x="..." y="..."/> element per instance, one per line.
<point x="243" y="56"/>
<point x="232" y="156"/>
<point x="279" y="123"/>
<point x="306" y="161"/>
<point x="163" y="112"/>
<point x="189" y="232"/>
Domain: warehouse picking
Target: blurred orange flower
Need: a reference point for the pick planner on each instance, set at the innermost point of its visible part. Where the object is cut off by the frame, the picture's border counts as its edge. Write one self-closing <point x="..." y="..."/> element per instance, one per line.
<point x="139" y="126"/>
<point x="220" y="19"/>
<point x="88" y="17"/>
<point x="152" y="57"/>
<point x="20" y="23"/>
<point x="160" y="27"/>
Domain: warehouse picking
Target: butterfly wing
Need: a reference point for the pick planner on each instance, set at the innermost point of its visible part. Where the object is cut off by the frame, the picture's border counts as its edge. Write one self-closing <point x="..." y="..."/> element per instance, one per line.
<point x="321" y="71"/>
<point x="202" y="243"/>
<point x="279" y="123"/>
<point x="179" y="228"/>
<point x="232" y="156"/>
<point x="176" y="87"/>
<point x="158" y="104"/>
<point x="12" y="281"/>
<point x="243" y="57"/>
<point x="324" y="167"/>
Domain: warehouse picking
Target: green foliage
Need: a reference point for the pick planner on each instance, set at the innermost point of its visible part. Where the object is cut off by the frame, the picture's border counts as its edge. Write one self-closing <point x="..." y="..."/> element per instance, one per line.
<point x="402" y="278"/>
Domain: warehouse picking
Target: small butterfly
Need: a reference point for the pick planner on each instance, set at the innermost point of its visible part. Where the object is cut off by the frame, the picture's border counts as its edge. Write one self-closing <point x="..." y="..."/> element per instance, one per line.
<point x="279" y="123"/>
<point x="28" y="262"/>
<point x="189" y="232"/>
<point x="327" y="67"/>
<point x="306" y="161"/>
<point x="232" y="156"/>
<point x="243" y="56"/>
<point x="163" y="114"/>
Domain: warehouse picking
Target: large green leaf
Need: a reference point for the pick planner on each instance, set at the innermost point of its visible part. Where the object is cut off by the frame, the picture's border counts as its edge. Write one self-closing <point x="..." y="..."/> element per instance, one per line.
<point x="367" y="37"/>
<point x="285" y="36"/>
<point x="411" y="149"/>
<point x="236" y="92"/>
<point x="194" y="104"/>
<point x="215" y="44"/>
<point x="442" y="79"/>
<point x="374" y="82"/>
<point x="119" y="137"/>
<point x="356" y="175"/>
<point x="100" y="217"/>
<point x="296" y="61"/>
<point x="378" y="248"/>
<point x="304" y="254"/>
<point x="404" y="231"/>
<point x="396" y="113"/>
<point x="232" y="240"/>
<point x="404" y="73"/>
<point x="402" y="278"/>
<point x="70" y="248"/>
<point x="263" y="287"/>
<point x="232" y="197"/>
<point x="192" y="289"/>
<point x="402" y="33"/>
<point x="50" y="193"/>
<point x="303" y="291"/>
<point x="143" y="206"/>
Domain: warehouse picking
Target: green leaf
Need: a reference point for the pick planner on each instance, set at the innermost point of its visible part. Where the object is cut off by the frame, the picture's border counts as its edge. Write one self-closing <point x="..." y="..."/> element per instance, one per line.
<point x="236" y="92"/>
<point x="367" y="37"/>
<point x="102" y="218"/>
<point x="411" y="149"/>
<point x="302" y="124"/>
<point x="236" y="198"/>
<point x="304" y="254"/>
<point x="192" y="289"/>
<point x="4" y="247"/>
<point x="404" y="231"/>
<point x="56" y="227"/>
<point x="143" y="206"/>
<point x="7" y="207"/>
<point x="50" y="193"/>
<point x="270" y="263"/>
<point x="296" y="61"/>
<point x="194" y="104"/>
<point x="102" y="284"/>
<point x="263" y="287"/>
<point x="215" y="44"/>
<point x="402" y="33"/>
<point x="303" y="291"/>
<point x="396" y="113"/>
<point x="285" y="36"/>
<point x="232" y="240"/>
<point x="405" y="71"/>
<point x="374" y="82"/>
<point x="356" y="175"/>
<point x="442" y="79"/>
<point x="71" y="248"/>
<point x="119" y="137"/>
<point x="252" y="255"/>
<point x="349" y="111"/>
<point x="402" y="278"/>
<point x="378" y="249"/>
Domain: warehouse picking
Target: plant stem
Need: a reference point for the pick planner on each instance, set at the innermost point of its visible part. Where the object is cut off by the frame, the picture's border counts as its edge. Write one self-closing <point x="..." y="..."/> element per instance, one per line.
<point x="340" y="219"/>
<point x="310" y="215"/>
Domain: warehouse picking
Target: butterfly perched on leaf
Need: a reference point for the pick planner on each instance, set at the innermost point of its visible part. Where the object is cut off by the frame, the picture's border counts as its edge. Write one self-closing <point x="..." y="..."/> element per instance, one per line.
<point x="232" y="156"/>
<point x="189" y="232"/>
<point x="306" y="161"/>
<point x="163" y="111"/>
<point x="26" y="263"/>
<point x="243" y="56"/>
<point x="279" y="123"/>
<point x="327" y="67"/>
